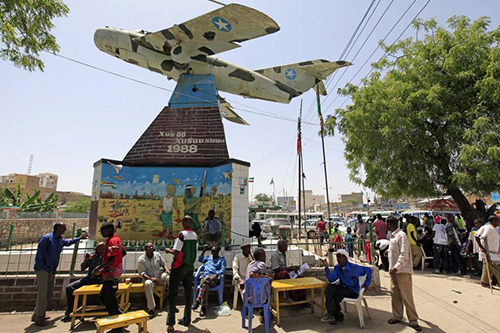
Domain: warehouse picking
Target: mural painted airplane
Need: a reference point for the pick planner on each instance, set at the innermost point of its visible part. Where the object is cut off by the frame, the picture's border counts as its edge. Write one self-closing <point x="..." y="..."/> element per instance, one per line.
<point x="190" y="48"/>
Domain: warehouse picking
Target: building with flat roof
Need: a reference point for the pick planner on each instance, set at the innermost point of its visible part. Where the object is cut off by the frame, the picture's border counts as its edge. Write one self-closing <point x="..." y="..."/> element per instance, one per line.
<point x="287" y="203"/>
<point x="48" y="180"/>
<point x="312" y="201"/>
<point x="45" y="182"/>
<point x="354" y="197"/>
<point x="28" y="184"/>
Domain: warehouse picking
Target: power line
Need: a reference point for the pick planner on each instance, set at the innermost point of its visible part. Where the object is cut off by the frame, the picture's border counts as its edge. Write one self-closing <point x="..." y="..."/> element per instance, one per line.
<point x="364" y="43"/>
<point x="329" y="80"/>
<point x="261" y="112"/>
<point x="385" y="54"/>
<point x="376" y="48"/>
<point x="362" y="46"/>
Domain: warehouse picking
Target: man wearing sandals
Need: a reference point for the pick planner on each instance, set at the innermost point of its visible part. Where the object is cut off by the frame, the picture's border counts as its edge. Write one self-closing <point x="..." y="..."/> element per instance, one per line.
<point x="401" y="269"/>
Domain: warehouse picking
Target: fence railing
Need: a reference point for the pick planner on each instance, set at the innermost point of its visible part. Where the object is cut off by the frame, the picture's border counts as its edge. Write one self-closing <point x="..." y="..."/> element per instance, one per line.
<point x="17" y="255"/>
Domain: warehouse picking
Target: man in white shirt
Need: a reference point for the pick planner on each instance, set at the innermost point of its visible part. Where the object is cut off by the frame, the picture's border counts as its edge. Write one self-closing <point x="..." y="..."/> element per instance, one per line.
<point x="488" y="241"/>
<point x="240" y="265"/>
<point x="401" y="269"/>
<point x="441" y="260"/>
<point x="153" y="270"/>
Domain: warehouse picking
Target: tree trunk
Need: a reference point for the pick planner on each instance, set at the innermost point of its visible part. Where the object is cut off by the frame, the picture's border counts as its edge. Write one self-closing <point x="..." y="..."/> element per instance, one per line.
<point x="468" y="211"/>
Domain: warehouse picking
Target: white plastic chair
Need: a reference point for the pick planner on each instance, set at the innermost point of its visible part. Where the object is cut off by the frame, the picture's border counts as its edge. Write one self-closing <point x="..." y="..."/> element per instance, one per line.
<point x="359" y="302"/>
<point x="237" y="293"/>
<point x="424" y="257"/>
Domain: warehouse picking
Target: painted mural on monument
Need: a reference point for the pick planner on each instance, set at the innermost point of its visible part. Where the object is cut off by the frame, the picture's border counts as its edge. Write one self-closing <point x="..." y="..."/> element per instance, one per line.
<point x="150" y="202"/>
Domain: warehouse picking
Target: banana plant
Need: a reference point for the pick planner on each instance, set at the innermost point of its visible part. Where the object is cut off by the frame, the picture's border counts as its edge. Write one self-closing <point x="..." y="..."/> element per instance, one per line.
<point x="15" y="197"/>
<point x="30" y="203"/>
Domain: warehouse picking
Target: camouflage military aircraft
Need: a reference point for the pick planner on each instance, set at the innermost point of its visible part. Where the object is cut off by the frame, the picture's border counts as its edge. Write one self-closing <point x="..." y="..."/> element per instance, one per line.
<point x="190" y="48"/>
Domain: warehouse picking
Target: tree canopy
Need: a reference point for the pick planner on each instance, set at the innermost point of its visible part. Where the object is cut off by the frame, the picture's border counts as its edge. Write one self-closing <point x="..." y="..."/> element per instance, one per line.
<point x="25" y="27"/>
<point x="425" y="122"/>
<point x="82" y="206"/>
<point x="262" y="197"/>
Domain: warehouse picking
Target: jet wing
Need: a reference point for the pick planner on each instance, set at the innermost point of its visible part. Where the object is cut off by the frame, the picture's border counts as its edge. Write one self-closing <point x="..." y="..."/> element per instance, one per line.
<point x="215" y="32"/>
<point x="226" y="111"/>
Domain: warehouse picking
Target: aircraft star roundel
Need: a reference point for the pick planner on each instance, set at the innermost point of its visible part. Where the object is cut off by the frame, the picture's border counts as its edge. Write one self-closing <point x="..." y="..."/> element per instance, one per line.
<point x="290" y="74"/>
<point x="221" y="24"/>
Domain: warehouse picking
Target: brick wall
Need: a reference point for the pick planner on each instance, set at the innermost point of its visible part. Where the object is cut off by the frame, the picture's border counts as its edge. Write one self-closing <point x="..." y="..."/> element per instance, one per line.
<point x="30" y="230"/>
<point x="183" y="137"/>
<point x="20" y="293"/>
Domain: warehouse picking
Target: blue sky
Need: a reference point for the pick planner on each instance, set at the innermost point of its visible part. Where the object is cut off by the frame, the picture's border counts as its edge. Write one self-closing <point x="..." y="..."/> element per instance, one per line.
<point x="71" y="116"/>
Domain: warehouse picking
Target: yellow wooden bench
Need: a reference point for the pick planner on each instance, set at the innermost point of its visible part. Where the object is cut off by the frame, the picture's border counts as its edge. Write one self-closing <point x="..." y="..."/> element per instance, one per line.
<point x="85" y="310"/>
<point x="159" y="290"/>
<point x="123" y="320"/>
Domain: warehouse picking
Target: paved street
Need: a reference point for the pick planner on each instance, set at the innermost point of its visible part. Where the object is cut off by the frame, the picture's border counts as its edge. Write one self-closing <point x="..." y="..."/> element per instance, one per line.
<point x="475" y="310"/>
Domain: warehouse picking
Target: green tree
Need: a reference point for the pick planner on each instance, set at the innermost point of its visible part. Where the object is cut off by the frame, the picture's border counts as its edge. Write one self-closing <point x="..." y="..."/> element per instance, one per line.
<point x="82" y="206"/>
<point x="25" y="27"/>
<point x="425" y="122"/>
<point x="262" y="197"/>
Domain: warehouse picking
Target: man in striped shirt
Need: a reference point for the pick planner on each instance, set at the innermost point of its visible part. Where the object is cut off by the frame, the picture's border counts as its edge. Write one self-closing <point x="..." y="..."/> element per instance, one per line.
<point x="184" y="251"/>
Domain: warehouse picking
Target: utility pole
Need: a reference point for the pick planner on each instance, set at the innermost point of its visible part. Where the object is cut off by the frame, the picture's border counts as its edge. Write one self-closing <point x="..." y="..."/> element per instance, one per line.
<point x="299" y="148"/>
<point x="301" y="180"/>
<point x="322" y="131"/>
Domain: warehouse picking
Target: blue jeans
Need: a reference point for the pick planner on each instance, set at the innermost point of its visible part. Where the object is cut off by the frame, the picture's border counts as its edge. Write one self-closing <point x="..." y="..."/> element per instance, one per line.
<point x="457" y="262"/>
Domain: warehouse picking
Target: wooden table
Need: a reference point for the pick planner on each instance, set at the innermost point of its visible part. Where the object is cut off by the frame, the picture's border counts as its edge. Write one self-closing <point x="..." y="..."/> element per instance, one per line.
<point x="297" y="284"/>
<point x="90" y="311"/>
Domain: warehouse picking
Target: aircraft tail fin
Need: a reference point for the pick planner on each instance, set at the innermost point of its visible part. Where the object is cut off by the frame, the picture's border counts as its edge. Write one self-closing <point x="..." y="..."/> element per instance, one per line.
<point x="305" y="75"/>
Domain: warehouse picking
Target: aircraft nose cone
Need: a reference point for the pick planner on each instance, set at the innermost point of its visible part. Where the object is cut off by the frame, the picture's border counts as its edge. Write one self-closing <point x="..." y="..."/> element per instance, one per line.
<point x="99" y="38"/>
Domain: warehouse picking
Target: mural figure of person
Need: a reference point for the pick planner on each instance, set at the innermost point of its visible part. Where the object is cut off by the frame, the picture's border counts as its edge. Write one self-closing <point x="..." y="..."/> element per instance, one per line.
<point x="214" y="192"/>
<point x="192" y="206"/>
<point x="167" y="206"/>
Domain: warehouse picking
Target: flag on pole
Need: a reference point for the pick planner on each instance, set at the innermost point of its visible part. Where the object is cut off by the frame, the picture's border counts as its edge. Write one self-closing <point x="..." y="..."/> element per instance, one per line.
<point x="250" y="179"/>
<point x="303" y="175"/>
<point x="320" y="115"/>
<point x="272" y="181"/>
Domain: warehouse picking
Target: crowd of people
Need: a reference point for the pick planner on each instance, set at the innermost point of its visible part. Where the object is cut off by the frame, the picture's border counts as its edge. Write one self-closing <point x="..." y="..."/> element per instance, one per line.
<point x="453" y="247"/>
<point x="400" y="243"/>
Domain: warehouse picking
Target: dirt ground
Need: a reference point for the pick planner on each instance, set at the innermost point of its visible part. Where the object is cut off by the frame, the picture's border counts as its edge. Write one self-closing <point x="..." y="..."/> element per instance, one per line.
<point x="472" y="309"/>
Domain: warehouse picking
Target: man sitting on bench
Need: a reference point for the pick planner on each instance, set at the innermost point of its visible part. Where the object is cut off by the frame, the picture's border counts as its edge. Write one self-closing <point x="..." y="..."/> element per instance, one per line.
<point x="92" y="260"/>
<point x="214" y="268"/>
<point x="153" y="270"/>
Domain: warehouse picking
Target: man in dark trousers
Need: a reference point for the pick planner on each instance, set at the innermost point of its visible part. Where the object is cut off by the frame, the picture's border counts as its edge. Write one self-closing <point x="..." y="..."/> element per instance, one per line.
<point x="92" y="260"/>
<point x="111" y="269"/>
<point x="184" y="250"/>
<point x="47" y="258"/>
<point x="344" y="282"/>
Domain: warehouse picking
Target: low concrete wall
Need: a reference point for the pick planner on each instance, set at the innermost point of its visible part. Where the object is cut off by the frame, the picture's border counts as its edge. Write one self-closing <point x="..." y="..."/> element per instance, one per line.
<point x="30" y="230"/>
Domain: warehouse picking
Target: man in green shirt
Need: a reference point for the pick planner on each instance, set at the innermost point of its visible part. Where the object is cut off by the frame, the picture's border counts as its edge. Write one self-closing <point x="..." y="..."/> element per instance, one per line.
<point x="184" y="250"/>
<point x="461" y="223"/>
